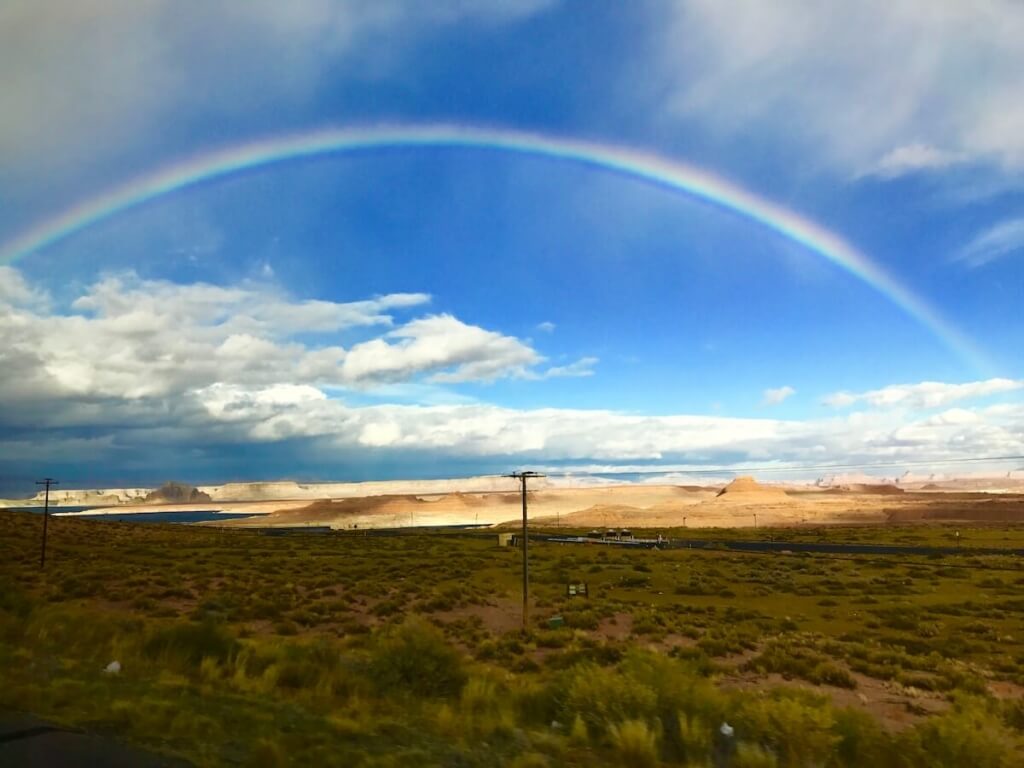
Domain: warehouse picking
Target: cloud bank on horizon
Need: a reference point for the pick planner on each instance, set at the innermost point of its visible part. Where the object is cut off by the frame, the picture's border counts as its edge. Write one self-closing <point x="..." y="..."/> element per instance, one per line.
<point x="412" y="312"/>
<point x="132" y="364"/>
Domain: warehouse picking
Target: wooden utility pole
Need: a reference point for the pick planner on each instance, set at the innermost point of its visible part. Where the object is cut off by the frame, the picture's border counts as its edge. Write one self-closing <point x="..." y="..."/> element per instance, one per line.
<point x="46" y="516"/>
<point x="522" y="477"/>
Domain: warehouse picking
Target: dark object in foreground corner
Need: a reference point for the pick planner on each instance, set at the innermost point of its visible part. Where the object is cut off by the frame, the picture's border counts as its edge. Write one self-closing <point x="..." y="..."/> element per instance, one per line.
<point x="27" y="741"/>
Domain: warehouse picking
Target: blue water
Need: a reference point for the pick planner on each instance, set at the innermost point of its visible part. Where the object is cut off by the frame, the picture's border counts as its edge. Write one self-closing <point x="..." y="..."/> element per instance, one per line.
<point x="197" y="516"/>
<point x="53" y="508"/>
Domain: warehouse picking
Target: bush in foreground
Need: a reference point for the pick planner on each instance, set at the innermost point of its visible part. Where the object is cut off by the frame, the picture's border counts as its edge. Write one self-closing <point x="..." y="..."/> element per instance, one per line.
<point x="413" y="657"/>
<point x="188" y="643"/>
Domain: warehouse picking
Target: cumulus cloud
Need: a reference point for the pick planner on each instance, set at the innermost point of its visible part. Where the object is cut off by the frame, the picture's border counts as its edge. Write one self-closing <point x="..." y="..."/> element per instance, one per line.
<point x="778" y="395"/>
<point x="868" y="87"/>
<point x="238" y="309"/>
<point x="547" y="326"/>
<point x="237" y="414"/>
<point x="16" y="292"/>
<point x="128" y="338"/>
<point x="456" y="351"/>
<point x="926" y="394"/>
<point x="997" y="241"/>
<point x="138" y="370"/>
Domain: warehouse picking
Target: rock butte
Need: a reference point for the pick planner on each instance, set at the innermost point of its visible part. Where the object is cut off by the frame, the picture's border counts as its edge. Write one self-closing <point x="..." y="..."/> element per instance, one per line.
<point x="580" y="502"/>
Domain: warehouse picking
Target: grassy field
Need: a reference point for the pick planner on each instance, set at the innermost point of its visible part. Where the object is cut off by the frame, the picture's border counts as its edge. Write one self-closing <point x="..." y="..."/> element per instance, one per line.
<point x="239" y="649"/>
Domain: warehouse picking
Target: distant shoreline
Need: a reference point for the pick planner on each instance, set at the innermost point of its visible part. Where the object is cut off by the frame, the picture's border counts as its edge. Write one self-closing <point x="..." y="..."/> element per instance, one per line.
<point x="156" y="509"/>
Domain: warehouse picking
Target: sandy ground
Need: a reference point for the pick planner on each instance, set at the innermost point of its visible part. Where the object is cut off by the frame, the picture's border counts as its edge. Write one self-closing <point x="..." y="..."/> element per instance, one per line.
<point x="743" y="503"/>
<point x="631" y="506"/>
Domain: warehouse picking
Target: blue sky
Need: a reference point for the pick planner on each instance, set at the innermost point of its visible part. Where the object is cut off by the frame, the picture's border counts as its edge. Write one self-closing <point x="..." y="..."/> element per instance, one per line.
<point x="476" y="310"/>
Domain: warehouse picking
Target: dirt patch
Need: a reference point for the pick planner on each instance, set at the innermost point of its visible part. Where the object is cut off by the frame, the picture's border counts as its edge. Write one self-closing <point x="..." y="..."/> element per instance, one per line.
<point x="992" y="510"/>
<point x="882" y="488"/>
<point x="1003" y="689"/>
<point x="617" y="627"/>
<point x="501" y="616"/>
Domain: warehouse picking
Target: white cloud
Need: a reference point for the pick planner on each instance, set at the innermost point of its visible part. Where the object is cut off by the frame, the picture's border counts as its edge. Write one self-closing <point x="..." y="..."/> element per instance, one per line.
<point x="557" y="434"/>
<point x="776" y="396"/>
<point x="581" y="368"/>
<point x="927" y="394"/>
<point x="546" y="327"/>
<point x="238" y="309"/>
<point x="84" y="79"/>
<point x="451" y="349"/>
<point x="953" y="417"/>
<point x="16" y="292"/>
<point x="137" y="365"/>
<point x="910" y="158"/>
<point x="1000" y="240"/>
<point x="887" y="86"/>
<point x="130" y="338"/>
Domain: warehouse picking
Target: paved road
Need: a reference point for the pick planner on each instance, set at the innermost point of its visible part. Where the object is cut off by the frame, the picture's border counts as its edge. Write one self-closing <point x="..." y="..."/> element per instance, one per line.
<point x="787" y="546"/>
<point x="755" y="545"/>
<point x="854" y="549"/>
<point x="28" y="741"/>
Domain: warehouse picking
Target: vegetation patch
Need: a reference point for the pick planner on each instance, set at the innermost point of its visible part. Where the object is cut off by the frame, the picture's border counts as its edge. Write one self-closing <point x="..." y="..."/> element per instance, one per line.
<point x="237" y="649"/>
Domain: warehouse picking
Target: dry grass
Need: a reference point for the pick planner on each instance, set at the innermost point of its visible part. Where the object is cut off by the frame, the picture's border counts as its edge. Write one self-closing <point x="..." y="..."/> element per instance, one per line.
<point x="354" y="650"/>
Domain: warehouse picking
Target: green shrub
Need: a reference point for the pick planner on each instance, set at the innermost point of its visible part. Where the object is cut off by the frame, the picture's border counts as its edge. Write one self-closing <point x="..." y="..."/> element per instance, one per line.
<point x="791" y="661"/>
<point x="694" y="741"/>
<point x="413" y="657"/>
<point x="79" y="632"/>
<point x="529" y="760"/>
<point x="753" y="756"/>
<point x="969" y="734"/>
<point x="557" y="638"/>
<point x="826" y="673"/>
<point x="861" y="739"/>
<point x="678" y="686"/>
<point x="604" y="697"/>
<point x="13" y="600"/>
<point x="798" y="728"/>
<point x="718" y="645"/>
<point x="578" y="734"/>
<point x="188" y="643"/>
<point x="635" y="743"/>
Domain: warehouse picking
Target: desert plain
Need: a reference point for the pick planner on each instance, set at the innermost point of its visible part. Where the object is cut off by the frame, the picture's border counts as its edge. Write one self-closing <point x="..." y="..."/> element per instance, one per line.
<point x="568" y="502"/>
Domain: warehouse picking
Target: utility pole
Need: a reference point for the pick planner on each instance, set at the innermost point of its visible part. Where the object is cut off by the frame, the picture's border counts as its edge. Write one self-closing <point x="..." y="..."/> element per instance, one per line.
<point x="46" y="516"/>
<point x="522" y="477"/>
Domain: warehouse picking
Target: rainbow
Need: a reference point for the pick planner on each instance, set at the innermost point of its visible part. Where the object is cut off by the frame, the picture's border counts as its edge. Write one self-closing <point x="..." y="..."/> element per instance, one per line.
<point x="646" y="166"/>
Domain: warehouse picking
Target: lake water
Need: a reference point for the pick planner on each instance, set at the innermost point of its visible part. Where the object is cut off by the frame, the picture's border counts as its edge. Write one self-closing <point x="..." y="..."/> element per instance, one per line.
<point x="196" y="516"/>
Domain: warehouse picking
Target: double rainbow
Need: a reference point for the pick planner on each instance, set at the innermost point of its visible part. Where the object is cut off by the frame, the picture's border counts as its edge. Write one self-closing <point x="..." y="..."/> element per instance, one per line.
<point x="645" y="166"/>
